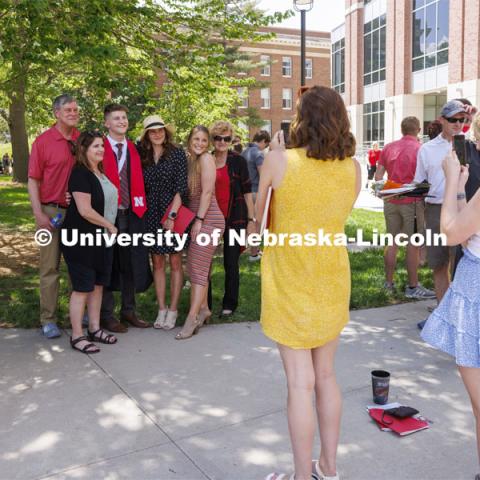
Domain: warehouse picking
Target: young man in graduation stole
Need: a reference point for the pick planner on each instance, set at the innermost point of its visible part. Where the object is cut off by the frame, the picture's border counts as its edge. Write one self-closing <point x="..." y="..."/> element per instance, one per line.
<point x="131" y="267"/>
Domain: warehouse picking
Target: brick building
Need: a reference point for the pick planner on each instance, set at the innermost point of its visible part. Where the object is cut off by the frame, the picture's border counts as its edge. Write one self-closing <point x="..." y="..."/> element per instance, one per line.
<point x="281" y="73"/>
<point x="394" y="58"/>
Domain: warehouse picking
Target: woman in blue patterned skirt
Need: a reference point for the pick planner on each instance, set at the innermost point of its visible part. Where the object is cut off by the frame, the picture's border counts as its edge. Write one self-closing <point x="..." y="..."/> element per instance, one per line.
<point x="454" y="326"/>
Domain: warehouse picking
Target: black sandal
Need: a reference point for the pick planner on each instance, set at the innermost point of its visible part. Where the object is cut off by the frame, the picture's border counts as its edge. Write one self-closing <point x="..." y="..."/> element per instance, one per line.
<point x="102" y="337"/>
<point x="87" y="348"/>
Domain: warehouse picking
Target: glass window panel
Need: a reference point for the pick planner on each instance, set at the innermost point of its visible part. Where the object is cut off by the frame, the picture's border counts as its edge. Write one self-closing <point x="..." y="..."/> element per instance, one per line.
<point x="419" y="64"/>
<point x="367" y="27"/>
<point x="375" y="49"/>
<point x="418" y="3"/>
<point x="383" y="20"/>
<point x="431" y="29"/>
<point x="375" y="126"/>
<point x="430" y="60"/>
<point x="367" y="107"/>
<point x="418" y="33"/>
<point x="383" y="47"/>
<point x="375" y="23"/>
<point x="430" y="100"/>
<point x="442" y="57"/>
<point x="382" y="75"/>
<point x="342" y="63"/>
<point x="442" y="24"/>
<point x="367" y="62"/>
<point x="382" y="105"/>
<point x="365" y="128"/>
<point x="367" y="79"/>
<point x="381" y="135"/>
<point x="375" y="77"/>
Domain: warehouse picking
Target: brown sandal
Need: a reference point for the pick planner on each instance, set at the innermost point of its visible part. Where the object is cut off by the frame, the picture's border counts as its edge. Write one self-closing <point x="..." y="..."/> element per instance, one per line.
<point x="101" y="336"/>
<point x="88" y="348"/>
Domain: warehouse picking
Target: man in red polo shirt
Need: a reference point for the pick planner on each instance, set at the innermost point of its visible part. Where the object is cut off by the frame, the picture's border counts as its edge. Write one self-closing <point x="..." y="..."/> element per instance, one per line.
<point x="403" y="215"/>
<point x="51" y="161"/>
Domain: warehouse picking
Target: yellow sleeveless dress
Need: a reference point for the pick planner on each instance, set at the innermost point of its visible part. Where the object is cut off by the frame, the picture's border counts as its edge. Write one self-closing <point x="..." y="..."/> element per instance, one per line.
<point x="306" y="289"/>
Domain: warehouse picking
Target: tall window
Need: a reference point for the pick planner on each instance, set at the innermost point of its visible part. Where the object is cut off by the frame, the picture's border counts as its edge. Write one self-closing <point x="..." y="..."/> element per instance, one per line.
<point x="287" y="66"/>
<point x="308" y="68"/>
<point x="243" y="94"/>
<point x="338" y="66"/>
<point x="287" y="98"/>
<point x="265" y="97"/>
<point x="374" y="121"/>
<point x="430" y="33"/>
<point x="267" y="126"/>
<point x="266" y="69"/>
<point x="374" y="44"/>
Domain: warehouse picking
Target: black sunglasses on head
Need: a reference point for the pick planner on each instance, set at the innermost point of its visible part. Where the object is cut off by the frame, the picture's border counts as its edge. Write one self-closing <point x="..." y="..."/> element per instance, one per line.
<point x="219" y="138"/>
<point x="455" y="120"/>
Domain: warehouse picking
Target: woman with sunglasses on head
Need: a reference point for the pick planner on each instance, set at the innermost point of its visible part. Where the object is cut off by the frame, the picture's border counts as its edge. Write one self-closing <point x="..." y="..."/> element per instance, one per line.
<point x="306" y="290"/>
<point x="92" y="209"/>
<point x="208" y="219"/>
<point x="165" y="175"/>
<point x="233" y="191"/>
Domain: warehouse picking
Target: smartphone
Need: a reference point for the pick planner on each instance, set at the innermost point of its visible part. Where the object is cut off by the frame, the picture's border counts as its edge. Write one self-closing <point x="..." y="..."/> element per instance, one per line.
<point x="460" y="148"/>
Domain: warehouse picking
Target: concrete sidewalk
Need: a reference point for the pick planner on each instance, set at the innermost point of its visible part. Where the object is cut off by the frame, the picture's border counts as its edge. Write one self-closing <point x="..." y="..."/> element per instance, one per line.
<point x="213" y="407"/>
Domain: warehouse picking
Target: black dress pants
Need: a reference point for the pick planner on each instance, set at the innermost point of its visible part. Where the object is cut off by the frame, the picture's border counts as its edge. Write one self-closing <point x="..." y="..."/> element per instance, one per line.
<point x="123" y="263"/>
<point x="231" y="256"/>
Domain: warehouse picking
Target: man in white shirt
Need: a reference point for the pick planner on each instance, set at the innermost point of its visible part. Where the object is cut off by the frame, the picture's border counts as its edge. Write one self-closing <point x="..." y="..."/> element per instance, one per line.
<point x="429" y="167"/>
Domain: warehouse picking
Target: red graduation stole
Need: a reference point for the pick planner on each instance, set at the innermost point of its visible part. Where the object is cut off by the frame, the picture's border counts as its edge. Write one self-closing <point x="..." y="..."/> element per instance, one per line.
<point x="138" y="201"/>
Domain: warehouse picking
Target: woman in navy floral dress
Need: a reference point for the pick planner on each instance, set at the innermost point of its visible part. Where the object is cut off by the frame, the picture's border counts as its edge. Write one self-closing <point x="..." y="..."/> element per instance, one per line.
<point x="165" y="175"/>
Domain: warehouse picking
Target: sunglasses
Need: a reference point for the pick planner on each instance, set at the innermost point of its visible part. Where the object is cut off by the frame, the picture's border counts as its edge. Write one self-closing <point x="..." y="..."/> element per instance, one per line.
<point x="219" y="138"/>
<point x="455" y="120"/>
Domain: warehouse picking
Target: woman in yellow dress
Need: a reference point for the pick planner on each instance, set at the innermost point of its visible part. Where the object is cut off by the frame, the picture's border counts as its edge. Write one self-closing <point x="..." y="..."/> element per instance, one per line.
<point x="306" y="289"/>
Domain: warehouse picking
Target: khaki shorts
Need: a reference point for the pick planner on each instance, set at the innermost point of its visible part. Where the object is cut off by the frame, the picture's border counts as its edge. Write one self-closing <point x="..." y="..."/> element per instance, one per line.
<point x="407" y="218"/>
<point x="436" y="256"/>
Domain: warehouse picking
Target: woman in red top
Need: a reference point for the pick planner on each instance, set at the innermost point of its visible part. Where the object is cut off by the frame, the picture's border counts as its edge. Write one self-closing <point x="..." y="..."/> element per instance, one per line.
<point x="373" y="158"/>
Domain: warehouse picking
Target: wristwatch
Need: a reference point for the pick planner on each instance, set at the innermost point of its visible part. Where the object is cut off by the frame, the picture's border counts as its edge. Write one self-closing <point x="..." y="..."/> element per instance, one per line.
<point x="254" y="220"/>
<point x="172" y="215"/>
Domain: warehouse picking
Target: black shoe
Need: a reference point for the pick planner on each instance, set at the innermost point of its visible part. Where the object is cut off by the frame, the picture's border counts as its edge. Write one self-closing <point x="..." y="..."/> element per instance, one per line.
<point x="421" y="324"/>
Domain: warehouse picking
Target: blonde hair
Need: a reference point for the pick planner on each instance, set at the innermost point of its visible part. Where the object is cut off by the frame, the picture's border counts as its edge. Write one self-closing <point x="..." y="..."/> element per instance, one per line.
<point x="476" y="127"/>
<point x="221" y="127"/>
<point x="193" y="163"/>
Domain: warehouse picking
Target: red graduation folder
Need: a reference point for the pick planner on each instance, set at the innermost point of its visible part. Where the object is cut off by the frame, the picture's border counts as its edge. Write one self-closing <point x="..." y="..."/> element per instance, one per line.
<point x="182" y="221"/>
<point x="402" y="426"/>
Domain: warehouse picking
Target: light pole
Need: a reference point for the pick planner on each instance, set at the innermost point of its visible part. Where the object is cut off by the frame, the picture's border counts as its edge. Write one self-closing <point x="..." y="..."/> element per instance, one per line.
<point x="302" y="6"/>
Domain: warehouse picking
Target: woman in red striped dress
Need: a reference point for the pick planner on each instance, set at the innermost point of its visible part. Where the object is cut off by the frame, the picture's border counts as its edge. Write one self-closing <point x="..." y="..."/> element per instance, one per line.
<point x="209" y="221"/>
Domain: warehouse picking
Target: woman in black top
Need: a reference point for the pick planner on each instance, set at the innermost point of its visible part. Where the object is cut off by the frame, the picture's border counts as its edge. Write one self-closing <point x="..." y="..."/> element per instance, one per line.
<point x="240" y="211"/>
<point x="93" y="205"/>
<point x="165" y="176"/>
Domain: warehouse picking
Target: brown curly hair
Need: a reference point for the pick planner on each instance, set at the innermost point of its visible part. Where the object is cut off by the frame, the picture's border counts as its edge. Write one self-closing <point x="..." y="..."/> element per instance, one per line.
<point x="321" y="125"/>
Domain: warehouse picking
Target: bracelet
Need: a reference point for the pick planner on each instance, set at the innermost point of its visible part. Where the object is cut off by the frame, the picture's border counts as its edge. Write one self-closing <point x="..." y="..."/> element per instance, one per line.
<point x="199" y="218"/>
<point x="461" y="196"/>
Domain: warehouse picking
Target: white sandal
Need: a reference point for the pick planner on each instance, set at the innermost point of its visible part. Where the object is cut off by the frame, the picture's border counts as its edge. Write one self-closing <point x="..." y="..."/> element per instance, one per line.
<point x="280" y="476"/>
<point x="160" y="320"/>
<point x="170" y="320"/>
<point x="317" y="474"/>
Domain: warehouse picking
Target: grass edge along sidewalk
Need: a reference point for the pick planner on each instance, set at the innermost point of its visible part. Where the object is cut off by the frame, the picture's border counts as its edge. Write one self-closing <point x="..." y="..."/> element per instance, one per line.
<point x="19" y="306"/>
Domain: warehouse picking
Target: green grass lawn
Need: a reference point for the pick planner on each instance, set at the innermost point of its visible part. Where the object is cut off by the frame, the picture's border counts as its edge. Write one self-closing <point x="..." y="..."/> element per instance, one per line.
<point x="19" y="304"/>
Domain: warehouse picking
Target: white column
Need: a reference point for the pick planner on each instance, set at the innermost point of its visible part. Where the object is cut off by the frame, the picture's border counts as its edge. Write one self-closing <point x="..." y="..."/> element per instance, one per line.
<point x="396" y="109"/>
<point x="469" y="89"/>
<point x="355" y="114"/>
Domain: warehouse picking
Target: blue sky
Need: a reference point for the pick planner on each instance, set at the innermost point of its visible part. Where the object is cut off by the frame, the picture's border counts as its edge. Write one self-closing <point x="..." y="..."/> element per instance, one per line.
<point x="316" y="18"/>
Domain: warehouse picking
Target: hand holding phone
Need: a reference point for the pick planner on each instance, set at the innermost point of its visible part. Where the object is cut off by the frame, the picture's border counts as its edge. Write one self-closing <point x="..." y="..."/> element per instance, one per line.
<point x="460" y="148"/>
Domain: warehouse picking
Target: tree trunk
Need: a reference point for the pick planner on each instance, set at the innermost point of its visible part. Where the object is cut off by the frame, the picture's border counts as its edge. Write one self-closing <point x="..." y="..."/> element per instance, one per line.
<point x="18" y="129"/>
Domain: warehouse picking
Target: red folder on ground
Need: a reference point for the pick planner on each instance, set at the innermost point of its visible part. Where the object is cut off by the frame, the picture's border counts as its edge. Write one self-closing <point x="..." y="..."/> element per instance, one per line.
<point x="403" y="426"/>
<point x="183" y="220"/>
